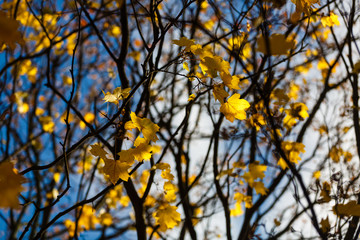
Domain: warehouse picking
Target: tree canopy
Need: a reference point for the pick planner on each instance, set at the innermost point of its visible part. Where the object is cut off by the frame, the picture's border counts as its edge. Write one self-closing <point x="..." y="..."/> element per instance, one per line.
<point x="192" y="119"/>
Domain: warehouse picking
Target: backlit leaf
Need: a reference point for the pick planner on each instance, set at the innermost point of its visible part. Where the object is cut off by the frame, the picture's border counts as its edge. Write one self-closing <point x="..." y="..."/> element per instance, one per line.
<point x="167" y="217"/>
<point x="330" y="20"/>
<point x="117" y="95"/>
<point x="184" y="42"/>
<point x="145" y="125"/>
<point x="211" y="65"/>
<point x="235" y="108"/>
<point x="119" y="168"/>
<point x="219" y="93"/>
<point x="142" y="150"/>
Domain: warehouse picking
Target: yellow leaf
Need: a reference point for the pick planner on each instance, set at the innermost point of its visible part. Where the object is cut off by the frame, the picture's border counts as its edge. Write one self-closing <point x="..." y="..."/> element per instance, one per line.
<point x="317" y="175"/>
<point x="224" y="173"/>
<point x="186" y="66"/>
<point x="142" y="150"/>
<point x="184" y="42"/>
<point x="57" y="177"/>
<point x="47" y="123"/>
<point x="39" y="111"/>
<point x="304" y="68"/>
<point x="330" y="20"/>
<point x="71" y="42"/>
<point x="278" y="44"/>
<point x="87" y="220"/>
<point x="115" y="169"/>
<point x="256" y="171"/>
<point x="282" y="163"/>
<point x="239" y="197"/>
<point x="135" y="55"/>
<point x="260" y="188"/>
<point x="117" y="95"/>
<point x="292" y="151"/>
<point x="231" y="82"/>
<point x="196" y="215"/>
<point x="170" y="191"/>
<point x="67" y="80"/>
<point x="63" y="117"/>
<point x="9" y="33"/>
<point x="191" y="97"/>
<point x="145" y="125"/>
<point x="237" y="211"/>
<point x="124" y="201"/>
<point x="89" y="117"/>
<point x="10" y="185"/>
<point x="219" y="93"/>
<point x="197" y="49"/>
<point x="237" y="42"/>
<point x="293" y="91"/>
<point x="106" y="219"/>
<point x="204" y="5"/>
<point x="235" y="108"/>
<point x="70" y="225"/>
<point x="113" y="196"/>
<point x="349" y="209"/>
<point x="26" y="69"/>
<point x="347" y="156"/>
<point x="322" y="64"/>
<point x="166" y="171"/>
<point x="98" y="151"/>
<point x="211" y="65"/>
<point x="166" y="174"/>
<point x="114" y="31"/>
<point x="23" y="108"/>
<point x="297" y="111"/>
<point x="257" y="120"/>
<point x="167" y="217"/>
<point x="304" y="5"/>
<point x="150" y="201"/>
<point x="209" y="24"/>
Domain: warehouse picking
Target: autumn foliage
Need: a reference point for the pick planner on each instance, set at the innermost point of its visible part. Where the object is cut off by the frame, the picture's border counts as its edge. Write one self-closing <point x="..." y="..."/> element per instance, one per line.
<point x="192" y="119"/>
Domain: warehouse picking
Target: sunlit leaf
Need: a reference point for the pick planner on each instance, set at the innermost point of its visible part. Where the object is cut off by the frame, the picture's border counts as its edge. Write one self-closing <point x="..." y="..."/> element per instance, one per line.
<point x="235" y="107"/>
<point x="184" y="42"/>
<point x="330" y="21"/>
<point x="191" y="97"/>
<point x="167" y="217"/>
<point x="145" y="125"/>
<point x="211" y="65"/>
<point x="116" y="169"/>
<point x="219" y="93"/>
<point x="117" y="95"/>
